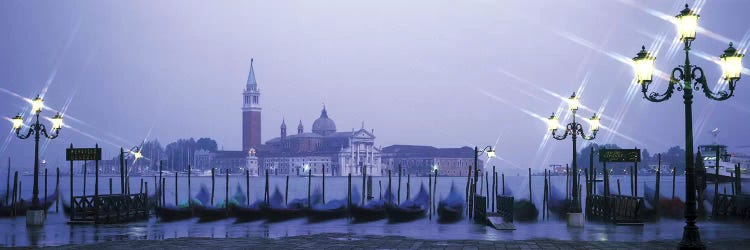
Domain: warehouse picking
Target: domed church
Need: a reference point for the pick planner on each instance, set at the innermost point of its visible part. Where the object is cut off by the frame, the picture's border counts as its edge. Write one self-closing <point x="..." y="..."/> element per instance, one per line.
<point x="323" y="149"/>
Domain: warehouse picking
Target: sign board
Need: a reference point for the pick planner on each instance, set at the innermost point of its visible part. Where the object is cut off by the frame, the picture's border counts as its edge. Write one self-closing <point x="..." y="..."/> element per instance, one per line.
<point x="619" y="155"/>
<point x="83" y="154"/>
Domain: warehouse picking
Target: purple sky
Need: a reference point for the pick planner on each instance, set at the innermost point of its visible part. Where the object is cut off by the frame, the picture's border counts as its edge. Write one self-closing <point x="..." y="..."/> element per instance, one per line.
<point x="422" y="72"/>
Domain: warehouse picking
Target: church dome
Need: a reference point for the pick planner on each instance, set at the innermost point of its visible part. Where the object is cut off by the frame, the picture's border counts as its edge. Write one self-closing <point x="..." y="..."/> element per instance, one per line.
<point x="324" y="125"/>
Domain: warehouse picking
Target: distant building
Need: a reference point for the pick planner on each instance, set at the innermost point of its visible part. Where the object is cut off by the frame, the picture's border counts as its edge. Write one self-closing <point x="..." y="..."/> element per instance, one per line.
<point x="323" y="149"/>
<point x="420" y="160"/>
<point x="236" y="161"/>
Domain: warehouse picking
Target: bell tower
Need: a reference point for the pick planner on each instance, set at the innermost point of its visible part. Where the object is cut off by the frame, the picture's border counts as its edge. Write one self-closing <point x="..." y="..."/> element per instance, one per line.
<point x="251" y="112"/>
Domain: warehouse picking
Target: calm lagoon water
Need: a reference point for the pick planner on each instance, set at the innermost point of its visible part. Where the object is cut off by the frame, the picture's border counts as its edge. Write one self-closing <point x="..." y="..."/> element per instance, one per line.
<point x="13" y="231"/>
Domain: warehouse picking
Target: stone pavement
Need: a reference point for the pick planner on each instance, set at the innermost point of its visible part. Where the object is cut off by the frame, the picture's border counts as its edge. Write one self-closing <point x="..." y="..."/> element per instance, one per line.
<point x="348" y="241"/>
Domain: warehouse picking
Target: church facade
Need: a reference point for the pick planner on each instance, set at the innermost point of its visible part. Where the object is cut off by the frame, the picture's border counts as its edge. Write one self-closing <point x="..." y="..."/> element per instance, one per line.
<point x="323" y="150"/>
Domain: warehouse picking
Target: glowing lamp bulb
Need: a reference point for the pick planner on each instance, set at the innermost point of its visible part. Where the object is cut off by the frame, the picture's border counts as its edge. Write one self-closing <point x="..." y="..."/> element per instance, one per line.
<point x="57" y="121"/>
<point x="731" y="63"/>
<point x="37" y="104"/>
<point x="687" y="24"/>
<point x="643" y="64"/>
<point x="17" y="122"/>
<point x="137" y="154"/>
<point x="552" y="122"/>
<point x="573" y="102"/>
<point x="491" y="153"/>
<point x="594" y="123"/>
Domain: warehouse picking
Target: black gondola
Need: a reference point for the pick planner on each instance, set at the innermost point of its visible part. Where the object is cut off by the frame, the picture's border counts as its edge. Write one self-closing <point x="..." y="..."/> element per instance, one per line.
<point x="276" y="214"/>
<point x="22" y="206"/>
<point x="451" y="209"/>
<point x="409" y="210"/>
<point x="335" y="209"/>
<point x="367" y="213"/>
<point x="173" y="213"/>
<point x="206" y="214"/>
<point x="246" y="214"/>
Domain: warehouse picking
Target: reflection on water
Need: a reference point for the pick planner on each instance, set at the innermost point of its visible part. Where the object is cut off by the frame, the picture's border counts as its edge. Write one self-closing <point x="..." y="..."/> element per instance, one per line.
<point x="56" y="231"/>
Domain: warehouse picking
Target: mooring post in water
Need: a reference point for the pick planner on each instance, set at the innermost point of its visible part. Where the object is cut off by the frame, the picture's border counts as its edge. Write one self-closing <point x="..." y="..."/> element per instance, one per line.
<point x="544" y="197"/>
<point x="57" y="190"/>
<point x="213" y="175"/>
<point x="364" y="188"/>
<point x="85" y="168"/>
<point x="494" y="193"/>
<point x="398" y="195"/>
<point x="161" y="183"/>
<point x="226" y="192"/>
<point x="592" y="173"/>
<point x="247" y="186"/>
<point x="190" y="194"/>
<point x="530" y="200"/>
<point x="323" y="194"/>
<point x="141" y="189"/>
<point x="110" y="185"/>
<point x="390" y="198"/>
<point x="738" y="178"/>
<point x="164" y="191"/>
<point x="71" y="184"/>
<point x="429" y="183"/>
<point x="267" y="194"/>
<point x="502" y="176"/>
<point x="487" y="193"/>
<point x="586" y="178"/>
<point x="434" y="191"/>
<point x="286" y="192"/>
<point x="176" y="200"/>
<point x="674" y="180"/>
<point x="20" y="186"/>
<point x="619" y="192"/>
<point x="309" y="185"/>
<point x="349" y="190"/>
<point x="731" y="176"/>
<point x="127" y="178"/>
<point x="658" y="182"/>
<point x="122" y="169"/>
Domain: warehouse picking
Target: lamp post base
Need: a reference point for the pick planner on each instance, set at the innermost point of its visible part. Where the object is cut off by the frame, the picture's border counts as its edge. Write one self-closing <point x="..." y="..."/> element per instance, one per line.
<point x="35" y="217"/>
<point x="575" y="219"/>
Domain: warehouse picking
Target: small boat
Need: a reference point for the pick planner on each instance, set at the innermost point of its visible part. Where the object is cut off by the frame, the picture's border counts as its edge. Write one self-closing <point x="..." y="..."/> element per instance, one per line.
<point x="558" y="204"/>
<point x="173" y="213"/>
<point x="409" y="210"/>
<point x="206" y="214"/>
<point x="372" y="211"/>
<point x="335" y="209"/>
<point x="22" y="206"/>
<point x="246" y="213"/>
<point x="275" y="210"/>
<point x="451" y="209"/>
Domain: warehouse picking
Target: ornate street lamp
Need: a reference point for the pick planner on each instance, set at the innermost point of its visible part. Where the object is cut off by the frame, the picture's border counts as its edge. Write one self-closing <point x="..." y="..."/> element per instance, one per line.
<point x="574" y="129"/>
<point x="35" y="215"/>
<point x="681" y="79"/>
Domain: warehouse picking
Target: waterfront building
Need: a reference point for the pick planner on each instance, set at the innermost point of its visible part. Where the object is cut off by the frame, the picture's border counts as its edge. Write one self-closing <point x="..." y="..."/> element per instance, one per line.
<point x="341" y="153"/>
<point x="420" y="160"/>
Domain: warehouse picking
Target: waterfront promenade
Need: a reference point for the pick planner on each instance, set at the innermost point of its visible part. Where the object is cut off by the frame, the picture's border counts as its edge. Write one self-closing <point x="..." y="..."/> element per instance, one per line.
<point x="349" y="241"/>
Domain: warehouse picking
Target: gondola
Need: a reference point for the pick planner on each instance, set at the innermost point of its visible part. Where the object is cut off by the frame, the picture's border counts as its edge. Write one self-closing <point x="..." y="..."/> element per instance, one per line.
<point x="246" y="213"/>
<point x="173" y="213"/>
<point x="335" y="209"/>
<point x="372" y="211"/>
<point x="557" y="203"/>
<point x="409" y="210"/>
<point x="22" y="206"/>
<point x="294" y="210"/>
<point x="451" y="209"/>
<point x="206" y="214"/>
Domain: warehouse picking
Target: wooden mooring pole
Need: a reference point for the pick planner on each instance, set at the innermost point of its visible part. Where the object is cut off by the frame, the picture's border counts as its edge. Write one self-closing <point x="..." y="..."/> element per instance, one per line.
<point x="45" y="185"/>
<point x="213" y="183"/>
<point x="176" y="200"/>
<point x="674" y="180"/>
<point x="247" y="186"/>
<point x="110" y="186"/>
<point x="309" y="185"/>
<point x="323" y="194"/>
<point x="434" y="192"/>
<point x="57" y="190"/>
<point x="429" y="183"/>
<point x="530" y="200"/>
<point x="226" y="191"/>
<point x="398" y="195"/>
<point x="286" y="192"/>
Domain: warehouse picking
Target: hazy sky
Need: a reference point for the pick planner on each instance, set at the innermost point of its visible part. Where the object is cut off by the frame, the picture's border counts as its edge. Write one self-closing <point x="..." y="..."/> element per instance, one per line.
<point x="442" y="73"/>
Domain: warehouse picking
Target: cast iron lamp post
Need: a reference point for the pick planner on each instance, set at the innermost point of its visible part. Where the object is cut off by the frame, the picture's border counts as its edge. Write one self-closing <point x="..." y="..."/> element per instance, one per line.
<point x="682" y="78"/>
<point x="37" y="129"/>
<point x="574" y="129"/>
